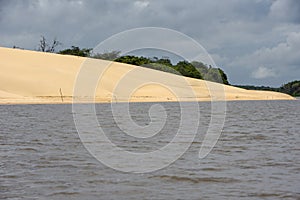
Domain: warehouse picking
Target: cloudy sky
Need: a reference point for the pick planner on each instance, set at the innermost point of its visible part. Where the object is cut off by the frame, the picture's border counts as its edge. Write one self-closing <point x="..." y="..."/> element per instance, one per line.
<point x="255" y="41"/>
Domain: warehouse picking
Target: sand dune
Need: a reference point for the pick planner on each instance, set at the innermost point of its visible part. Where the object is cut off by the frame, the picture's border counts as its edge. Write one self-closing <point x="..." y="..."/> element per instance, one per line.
<point x="35" y="77"/>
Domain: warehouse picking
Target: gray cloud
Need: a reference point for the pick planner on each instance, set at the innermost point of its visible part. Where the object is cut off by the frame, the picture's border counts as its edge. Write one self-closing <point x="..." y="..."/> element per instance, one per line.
<point x="286" y="10"/>
<point x="242" y="36"/>
<point x="263" y="72"/>
<point x="279" y="61"/>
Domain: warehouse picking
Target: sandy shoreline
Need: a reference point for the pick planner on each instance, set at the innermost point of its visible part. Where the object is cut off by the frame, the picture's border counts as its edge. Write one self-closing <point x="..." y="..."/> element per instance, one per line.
<point x="29" y="77"/>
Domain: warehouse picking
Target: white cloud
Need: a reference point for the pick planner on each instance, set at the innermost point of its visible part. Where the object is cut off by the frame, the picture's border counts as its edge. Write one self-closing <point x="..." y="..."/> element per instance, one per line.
<point x="141" y="4"/>
<point x="263" y="72"/>
<point x="281" y="61"/>
<point x="282" y="55"/>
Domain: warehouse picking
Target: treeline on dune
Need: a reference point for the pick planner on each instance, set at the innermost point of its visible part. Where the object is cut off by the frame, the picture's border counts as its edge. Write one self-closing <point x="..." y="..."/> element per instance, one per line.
<point x="194" y="69"/>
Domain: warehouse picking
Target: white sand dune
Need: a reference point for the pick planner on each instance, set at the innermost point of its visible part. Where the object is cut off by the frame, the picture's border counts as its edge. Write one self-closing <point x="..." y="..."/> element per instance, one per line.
<point x="34" y="77"/>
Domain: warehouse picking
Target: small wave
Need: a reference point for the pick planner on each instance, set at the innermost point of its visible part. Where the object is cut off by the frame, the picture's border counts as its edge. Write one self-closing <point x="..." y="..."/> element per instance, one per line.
<point x="198" y="180"/>
<point x="262" y="195"/>
<point x="259" y="137"/>
<point x="28" y="149"/>
<point x="212" y="169"/>
<point x="64" y="193"/>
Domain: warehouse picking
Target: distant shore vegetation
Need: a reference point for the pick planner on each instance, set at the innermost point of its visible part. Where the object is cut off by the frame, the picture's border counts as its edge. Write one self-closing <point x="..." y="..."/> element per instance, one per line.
<point x="292" y="88"/>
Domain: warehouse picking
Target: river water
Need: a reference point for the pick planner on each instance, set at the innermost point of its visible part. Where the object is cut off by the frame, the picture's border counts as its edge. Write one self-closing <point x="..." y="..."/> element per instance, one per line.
<point x="257" y="155"/>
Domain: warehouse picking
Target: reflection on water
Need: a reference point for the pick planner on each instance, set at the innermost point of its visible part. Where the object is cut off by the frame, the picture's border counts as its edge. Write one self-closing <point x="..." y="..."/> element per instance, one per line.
<point x="257" y="156"/>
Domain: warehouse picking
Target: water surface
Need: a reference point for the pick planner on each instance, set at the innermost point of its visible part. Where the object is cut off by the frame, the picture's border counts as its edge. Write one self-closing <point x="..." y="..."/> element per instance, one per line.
<point x="256" y="157"/>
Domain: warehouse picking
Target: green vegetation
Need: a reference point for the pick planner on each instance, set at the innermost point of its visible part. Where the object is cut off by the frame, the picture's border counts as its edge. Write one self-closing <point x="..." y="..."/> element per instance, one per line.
<point x="133" y="60"/>
<point x="76" y="51"/>
<point x="113" y="55"/>
<point x="223" y="76"/>
<point x="210" y="73"/>
<point x="161" y="67"/>
<point x="291" y="88"/>
<point x="252" y="87"/>
<point x="187" y="69"/>
<point x="194" y="69"/>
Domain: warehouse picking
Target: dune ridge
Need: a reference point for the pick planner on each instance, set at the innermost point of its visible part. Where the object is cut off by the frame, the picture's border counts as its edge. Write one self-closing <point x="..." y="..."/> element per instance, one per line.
<point x="30" y="77"/>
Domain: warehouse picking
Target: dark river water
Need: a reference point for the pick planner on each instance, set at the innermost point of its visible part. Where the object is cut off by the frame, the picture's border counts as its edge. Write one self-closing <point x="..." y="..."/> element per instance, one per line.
<point x="256" y="157"/>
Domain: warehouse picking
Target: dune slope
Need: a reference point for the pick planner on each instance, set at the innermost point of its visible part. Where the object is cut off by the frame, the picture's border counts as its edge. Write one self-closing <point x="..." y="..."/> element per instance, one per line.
<point x="35" y="77"/>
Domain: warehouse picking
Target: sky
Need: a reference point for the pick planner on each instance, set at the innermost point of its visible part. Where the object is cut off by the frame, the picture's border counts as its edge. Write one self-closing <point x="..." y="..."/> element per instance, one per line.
<point x="256" y="42"/>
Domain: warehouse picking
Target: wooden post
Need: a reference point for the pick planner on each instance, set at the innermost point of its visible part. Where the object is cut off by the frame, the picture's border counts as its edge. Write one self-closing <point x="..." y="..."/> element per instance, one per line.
<point x="61" y="95"/>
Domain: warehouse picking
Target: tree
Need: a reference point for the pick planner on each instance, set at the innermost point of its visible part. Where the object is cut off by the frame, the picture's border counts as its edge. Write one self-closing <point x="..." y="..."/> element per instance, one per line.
<point x="214" y="75"/>
<point x="76" y="51"/>
<point x="223" y="76"/>
<point x="187" y="69"/>
<point x="112" y="55"/>
<point x="291" y="88"/>
<point x="202" y="68"/>
<point x="45" y="47"/>
<point x="161" y="67"/>
<point x="210" y="73"/>
<point x="133" y="60"/>
<point x="43" y="44"/>
<point x="164" y="61"/>
<point x="54" y="44"/>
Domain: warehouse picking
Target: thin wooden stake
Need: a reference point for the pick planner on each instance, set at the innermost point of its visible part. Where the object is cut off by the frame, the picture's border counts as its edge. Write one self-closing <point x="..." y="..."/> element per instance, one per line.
<point x="61" y="95"/>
